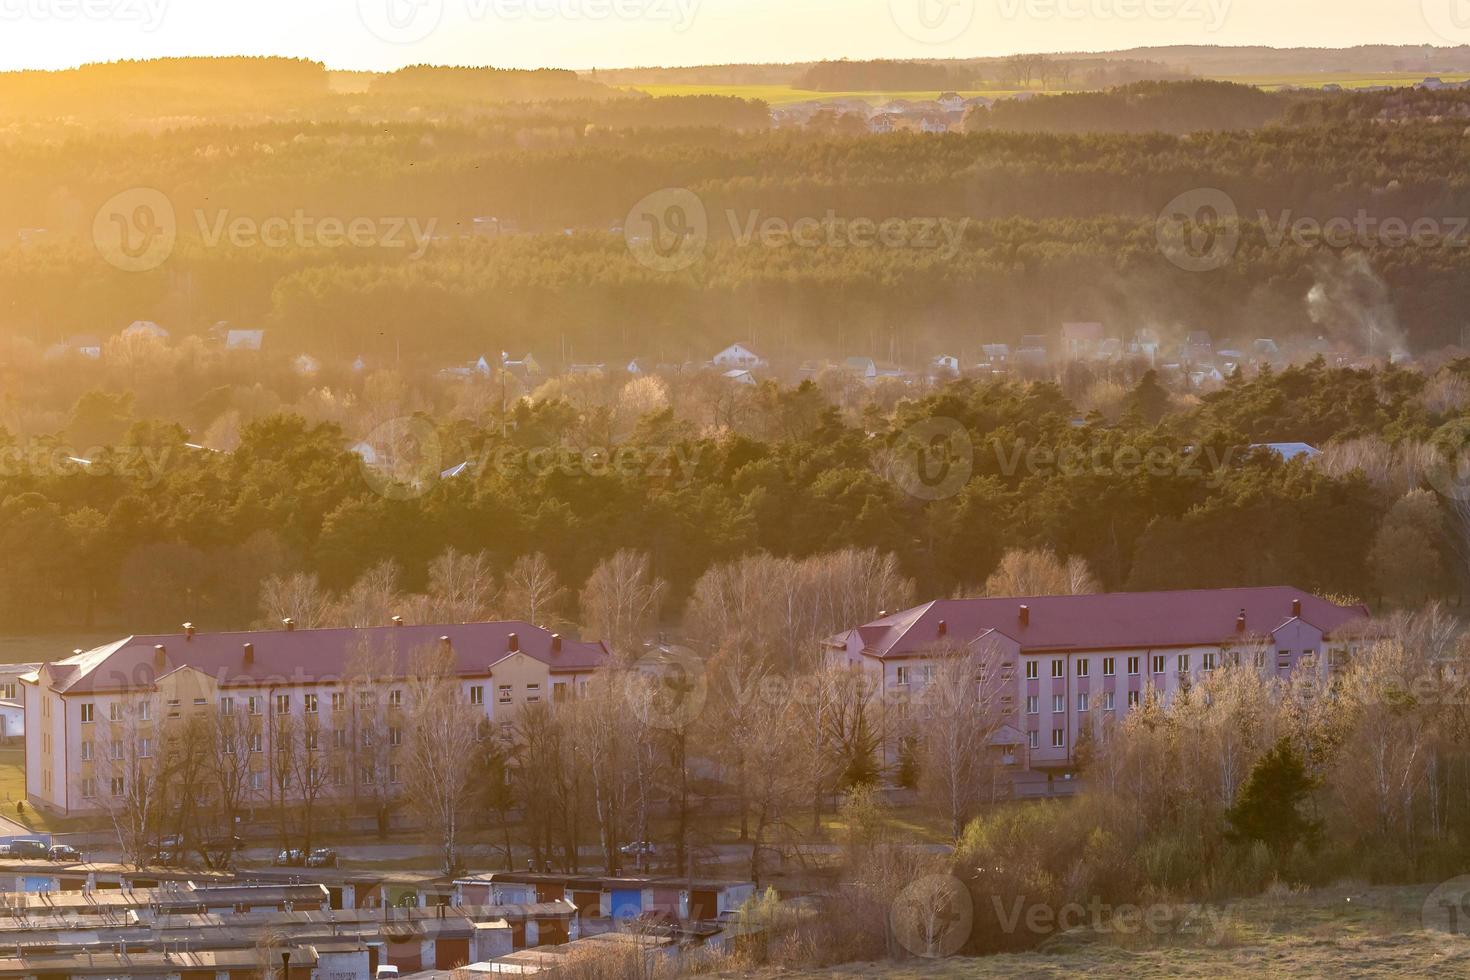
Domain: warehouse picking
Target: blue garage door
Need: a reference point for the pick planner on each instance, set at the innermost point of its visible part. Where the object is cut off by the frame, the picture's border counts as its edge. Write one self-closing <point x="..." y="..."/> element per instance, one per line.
<point x="627" y="903"/>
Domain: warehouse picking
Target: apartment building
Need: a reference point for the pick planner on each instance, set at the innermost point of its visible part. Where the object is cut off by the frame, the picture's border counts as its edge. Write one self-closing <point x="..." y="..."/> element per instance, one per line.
<point x="96" y="717"/>
<point x="1069" y="662"/>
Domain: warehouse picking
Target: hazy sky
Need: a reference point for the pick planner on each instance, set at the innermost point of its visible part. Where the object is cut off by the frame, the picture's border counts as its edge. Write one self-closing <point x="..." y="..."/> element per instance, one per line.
<point x="613" y="33"/>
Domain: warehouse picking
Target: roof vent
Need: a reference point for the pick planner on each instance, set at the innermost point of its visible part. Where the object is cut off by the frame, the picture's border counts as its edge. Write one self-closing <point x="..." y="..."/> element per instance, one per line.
<point x="249" y="654"/>
<point x="397" y="620"/>
<point x="1025" y="615"/>
<point x="290" y="624"/>
<point x="1296" y="607"/>
<point x="556" y="643"/>
<point x="943" y="628"/>
<point x="512" y="642"/>
<point x="188" y="631"/>
<point x="1240" y="622"/>
<point x="445" y="642"/>
<point x="160" y="656"/>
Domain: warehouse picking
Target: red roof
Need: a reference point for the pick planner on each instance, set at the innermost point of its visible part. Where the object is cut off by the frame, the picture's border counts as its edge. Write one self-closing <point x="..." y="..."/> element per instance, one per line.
<point x="1106" y="621"/>
<point x="308" y="656"/>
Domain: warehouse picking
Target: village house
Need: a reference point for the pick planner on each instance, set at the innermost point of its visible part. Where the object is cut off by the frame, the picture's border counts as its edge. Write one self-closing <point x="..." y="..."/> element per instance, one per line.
<point x="97" y="713"/>
<point x="1068" y="662"/>
<point x="738" y="356"/>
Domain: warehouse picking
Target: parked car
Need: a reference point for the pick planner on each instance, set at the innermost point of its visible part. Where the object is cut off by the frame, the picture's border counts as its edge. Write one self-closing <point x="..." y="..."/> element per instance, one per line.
<point x="322" y="857"/>
<point x="385" y="971"/>
<point x="4" y="850"/>
<point x="640" y="848"/>
<point x="169" y="850"/>
<point x="26" y="848"/>
<point x="292" y="857"/>
<point x="65" y="852"/>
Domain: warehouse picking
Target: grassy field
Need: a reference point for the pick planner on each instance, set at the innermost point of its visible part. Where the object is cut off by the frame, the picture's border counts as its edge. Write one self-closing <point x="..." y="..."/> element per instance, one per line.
<point x="777" y="95"/>
<point x="1344" y="931"/>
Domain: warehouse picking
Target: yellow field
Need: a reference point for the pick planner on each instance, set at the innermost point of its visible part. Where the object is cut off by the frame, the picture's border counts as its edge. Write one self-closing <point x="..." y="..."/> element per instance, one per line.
<point x="777" y="95"/>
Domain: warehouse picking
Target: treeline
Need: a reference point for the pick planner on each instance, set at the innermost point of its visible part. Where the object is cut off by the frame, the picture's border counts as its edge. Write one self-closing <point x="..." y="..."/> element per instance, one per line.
<point x="1143" y="107"/>
<point x="155" y="532"/>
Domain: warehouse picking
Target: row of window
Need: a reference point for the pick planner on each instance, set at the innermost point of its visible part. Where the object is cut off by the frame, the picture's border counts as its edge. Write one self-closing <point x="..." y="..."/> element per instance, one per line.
<point x="1084" y="702"/>
<point x="1058" y="739"/>
<point x="1159" y="663"/>
<point x="331" y="776"/>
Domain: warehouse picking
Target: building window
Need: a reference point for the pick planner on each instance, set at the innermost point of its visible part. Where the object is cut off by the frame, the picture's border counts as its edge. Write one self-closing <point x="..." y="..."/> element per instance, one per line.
<point x="1107" y="700"/>
<point x="502" y="694"/>
<point x="89" y="788"/>
<point x="1184" y="663"/>
<point x="1209" y="661"/>
<point x="1260" y="659"/>
<point x="1132" y="699"/>
<point x="311" y="741"/>
<point x="533" y="693"/>
<point x="87" y="751"/>
<point x="902" y="675"/>
<point x="118" y="786"/>
<point x="1058" y="738"/>
<point x="116" y="749"/>
<point x="339" y="738"/>
<point x="1083" y="666"/>
<point x="257" y="781"/>
<point x="1108" y="666"/>
<point x="477" y="695"/>
<point x="1058" y="705"/>
<point x="283" y="704"/>
<point x="1032" y="670"/>
<point x="339" y="700"/>
<point x="395" y="736"/>
<point x="1033" y="704"/>
<point x="395" y="699"/>
<point x="114" y="711"/>
<point x="10" y="692"/>
<point x="1082" y="702"/>
<point x="88" y="713"/>
<point x="1033" y="739"/>
<point x="1133" y="666"/>
<point x="252" y="704"/>
<point x="1058" y="668"/>
<point x="559" y="692"/>
<point x="227" y="706"/>
<point x="334" y="775"/>
<point x="395" y="772"/>
<point x="309" y="701"/>
<point x="145" y="748"/>
<point x="145" y="710"/>
<point x="367" y="699"/>
<point x="1283" y="660"/>
<point x="255" y="742"/>
<point x="1158" y="664"/>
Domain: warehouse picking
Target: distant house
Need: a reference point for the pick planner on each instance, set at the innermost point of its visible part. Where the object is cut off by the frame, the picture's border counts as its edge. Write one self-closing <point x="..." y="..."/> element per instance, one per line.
<point x="934" y="124"/>
<point x="1032" y="350"/>
<point x="1432" y="83"/>
<point x="1198" y="346"/>
<point x="740" y="377"/>
<point x="1081" y="341"/>
<point x="306" y="366"/>
<point x="863" y="367"/>
<point x="997" y="357"/>
<point x="1290" y="450"/>
<point x="1145" y="344"/>
<point x="88" y="345"/>
<point x="952" y="100"/>
<point x="524" y="369"/>
<point x="145" y="328"/>
<point x="244" y="339"/>
<point x="1266" y="347"/>
<point x="739" y="356"/>
<point x="595" y="370"/>
<point x="945" y="365"/>
<point x="882" y="123"/>
<point x="639" y="366"/>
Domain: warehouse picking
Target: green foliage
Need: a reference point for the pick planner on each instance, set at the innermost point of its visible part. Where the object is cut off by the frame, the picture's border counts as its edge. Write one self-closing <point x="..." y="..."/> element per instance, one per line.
<point x="1269" y="808"/>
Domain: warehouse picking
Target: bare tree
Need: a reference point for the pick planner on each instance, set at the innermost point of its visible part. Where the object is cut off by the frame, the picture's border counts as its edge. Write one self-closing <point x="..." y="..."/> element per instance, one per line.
<point x="360" y="740"/>
<point x="621" y="601"/>
<point x="298" y="596"/>
<point x="373" y="599"/>
<point x="956" y="715"/>
<point x="1037" y="573"/>
<point x="532" y="591"/>
<point x="440" y="727"/>
<point x="461" y="587"/>
<point x="127" y="780"/>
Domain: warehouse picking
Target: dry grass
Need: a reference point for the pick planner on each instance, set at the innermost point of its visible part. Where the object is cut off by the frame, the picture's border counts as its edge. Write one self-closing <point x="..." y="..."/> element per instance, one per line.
<point x="1345" y="931"/>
